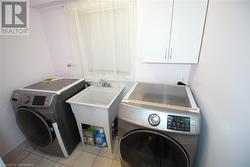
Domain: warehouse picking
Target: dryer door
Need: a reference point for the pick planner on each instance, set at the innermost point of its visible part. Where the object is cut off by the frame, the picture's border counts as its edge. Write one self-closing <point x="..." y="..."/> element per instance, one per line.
<point x="35" y="127"/>
<point x="145" y="148"/>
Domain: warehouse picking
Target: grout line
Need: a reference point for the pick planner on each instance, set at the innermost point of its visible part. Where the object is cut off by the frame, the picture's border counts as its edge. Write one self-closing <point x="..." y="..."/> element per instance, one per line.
<point x="94" y="161"/>
<point x="38" y="161"/>
<point x="29" y="153"/>
<point x="89" y="153"/>
<point x="21" y="160"/>
<point x="51" y="159"/>
<point x="63" y="164"/>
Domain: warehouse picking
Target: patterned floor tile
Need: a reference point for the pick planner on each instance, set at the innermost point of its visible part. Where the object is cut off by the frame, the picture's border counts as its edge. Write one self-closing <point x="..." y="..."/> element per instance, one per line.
<point x="91" y="149"/>
<point x="30" y="160"/>
<point x="71" y="160"/>
<point x="45" y="163"/>
<point x="19" y="158"/>
<point x="102" y="162"/>
<point x="85" y="160"/>
<point x="116" y="164"/>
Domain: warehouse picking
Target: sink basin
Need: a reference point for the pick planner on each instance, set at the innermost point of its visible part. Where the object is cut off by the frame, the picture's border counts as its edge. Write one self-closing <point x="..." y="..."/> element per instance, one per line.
<point x="96" y="96"/>
<point x="97" y="106"/>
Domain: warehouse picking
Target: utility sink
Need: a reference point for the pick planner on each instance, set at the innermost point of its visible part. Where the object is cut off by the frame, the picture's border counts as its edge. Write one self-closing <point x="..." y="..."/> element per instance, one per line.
<point x="96" y="96"/>
<point x="97" y="106"/>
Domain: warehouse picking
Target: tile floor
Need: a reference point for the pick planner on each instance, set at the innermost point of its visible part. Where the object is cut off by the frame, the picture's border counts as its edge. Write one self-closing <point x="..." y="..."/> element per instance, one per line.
<point x="87" y="156"/>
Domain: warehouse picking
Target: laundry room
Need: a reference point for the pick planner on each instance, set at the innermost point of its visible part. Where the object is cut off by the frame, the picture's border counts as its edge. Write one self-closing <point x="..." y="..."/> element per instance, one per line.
<point x="125" y="83"/>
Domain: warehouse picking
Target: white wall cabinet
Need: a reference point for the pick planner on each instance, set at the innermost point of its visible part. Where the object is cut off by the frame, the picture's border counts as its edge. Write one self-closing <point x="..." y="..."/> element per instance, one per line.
<point x="172" y="30"/>
<point x="156" y="27"/>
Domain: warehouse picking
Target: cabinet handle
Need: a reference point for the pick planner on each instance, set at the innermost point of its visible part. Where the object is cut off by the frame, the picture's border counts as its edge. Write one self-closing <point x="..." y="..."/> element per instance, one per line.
<point x="166" y="52"/>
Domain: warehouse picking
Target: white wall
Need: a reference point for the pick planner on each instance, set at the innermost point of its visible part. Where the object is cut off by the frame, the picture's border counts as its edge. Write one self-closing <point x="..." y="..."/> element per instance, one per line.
<point x="23" y="61"/>
<point x="161" y="73"/>
<point x="221" y="86"/>
<point x="57" y="32"/>
<point x="62" y="52"/>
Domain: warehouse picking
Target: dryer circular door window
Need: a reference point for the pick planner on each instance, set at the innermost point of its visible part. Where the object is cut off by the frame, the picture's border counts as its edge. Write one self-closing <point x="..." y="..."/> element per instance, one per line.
<point x="145" y="148"/>
<point x="35" y="127"/>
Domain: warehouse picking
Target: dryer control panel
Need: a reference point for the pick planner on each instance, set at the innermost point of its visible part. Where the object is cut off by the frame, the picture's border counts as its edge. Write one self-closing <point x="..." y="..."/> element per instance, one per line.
<point x="167" y="121"/>
<point x="179" y="123"/>
<point x="32" y="98"/>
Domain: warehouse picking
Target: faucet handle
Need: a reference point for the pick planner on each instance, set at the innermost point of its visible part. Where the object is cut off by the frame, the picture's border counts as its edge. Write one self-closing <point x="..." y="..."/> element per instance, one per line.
<point x="104" y="83"/>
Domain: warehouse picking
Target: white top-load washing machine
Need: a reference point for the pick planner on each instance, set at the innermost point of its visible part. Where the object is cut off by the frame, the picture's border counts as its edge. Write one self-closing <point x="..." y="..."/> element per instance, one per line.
<point x="158" y="126"/>
<point x="45" y="118"/>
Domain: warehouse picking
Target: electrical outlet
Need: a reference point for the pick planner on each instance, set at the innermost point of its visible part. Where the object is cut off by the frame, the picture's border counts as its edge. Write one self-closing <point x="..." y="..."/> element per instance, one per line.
<point x="70" y="65"/>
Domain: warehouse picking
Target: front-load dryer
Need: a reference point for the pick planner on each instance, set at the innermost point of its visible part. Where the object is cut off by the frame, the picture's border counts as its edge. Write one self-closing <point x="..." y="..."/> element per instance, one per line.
<point x="158" y="126"/>
<point x="45" y="118"/>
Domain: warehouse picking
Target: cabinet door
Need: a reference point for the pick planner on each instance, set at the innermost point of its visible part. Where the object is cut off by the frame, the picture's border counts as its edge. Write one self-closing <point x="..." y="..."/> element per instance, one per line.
<point x="155" y="28"/>
<point x="187" y="29"/>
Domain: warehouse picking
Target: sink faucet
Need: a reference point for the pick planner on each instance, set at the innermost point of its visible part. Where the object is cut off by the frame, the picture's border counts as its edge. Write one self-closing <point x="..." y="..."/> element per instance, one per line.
<point x="104" y="83"/>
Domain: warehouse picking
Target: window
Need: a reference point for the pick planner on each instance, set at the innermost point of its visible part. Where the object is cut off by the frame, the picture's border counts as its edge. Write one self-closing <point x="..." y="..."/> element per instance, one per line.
<point x="106" y="39"/>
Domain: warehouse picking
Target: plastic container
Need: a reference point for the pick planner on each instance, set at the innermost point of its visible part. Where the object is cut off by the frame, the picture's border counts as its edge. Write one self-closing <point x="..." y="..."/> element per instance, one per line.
<point x="88" y="135"/>
<point x="100" y="138"/>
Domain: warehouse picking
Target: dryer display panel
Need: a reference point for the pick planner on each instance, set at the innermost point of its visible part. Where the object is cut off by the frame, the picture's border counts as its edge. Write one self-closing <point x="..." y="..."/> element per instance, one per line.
<point x="178" y="123"/>
<point x="39" y="100"/>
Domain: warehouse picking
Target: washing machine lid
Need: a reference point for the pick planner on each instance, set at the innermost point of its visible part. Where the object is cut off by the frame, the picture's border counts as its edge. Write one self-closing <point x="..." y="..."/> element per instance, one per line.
<point x="53" y="85"/>
<point x="162" y="96"/>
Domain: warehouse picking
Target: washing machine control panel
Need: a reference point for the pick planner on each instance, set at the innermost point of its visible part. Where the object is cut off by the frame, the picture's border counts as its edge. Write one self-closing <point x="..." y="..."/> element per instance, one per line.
<point x="32" y="98"/>
<point x="178" y="123"/>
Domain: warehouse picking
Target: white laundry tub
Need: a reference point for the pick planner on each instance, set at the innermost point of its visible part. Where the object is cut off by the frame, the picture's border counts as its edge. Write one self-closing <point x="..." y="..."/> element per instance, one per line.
<point x="97" y="106"/>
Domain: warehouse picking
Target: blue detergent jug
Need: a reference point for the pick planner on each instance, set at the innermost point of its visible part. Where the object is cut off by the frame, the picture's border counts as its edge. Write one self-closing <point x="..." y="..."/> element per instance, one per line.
<point x="100" y="138"/>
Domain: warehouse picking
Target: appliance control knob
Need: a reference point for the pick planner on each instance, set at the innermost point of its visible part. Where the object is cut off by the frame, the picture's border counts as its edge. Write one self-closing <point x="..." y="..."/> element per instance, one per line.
<point x="154" y="119"/>
<point x="26" y="100"/>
